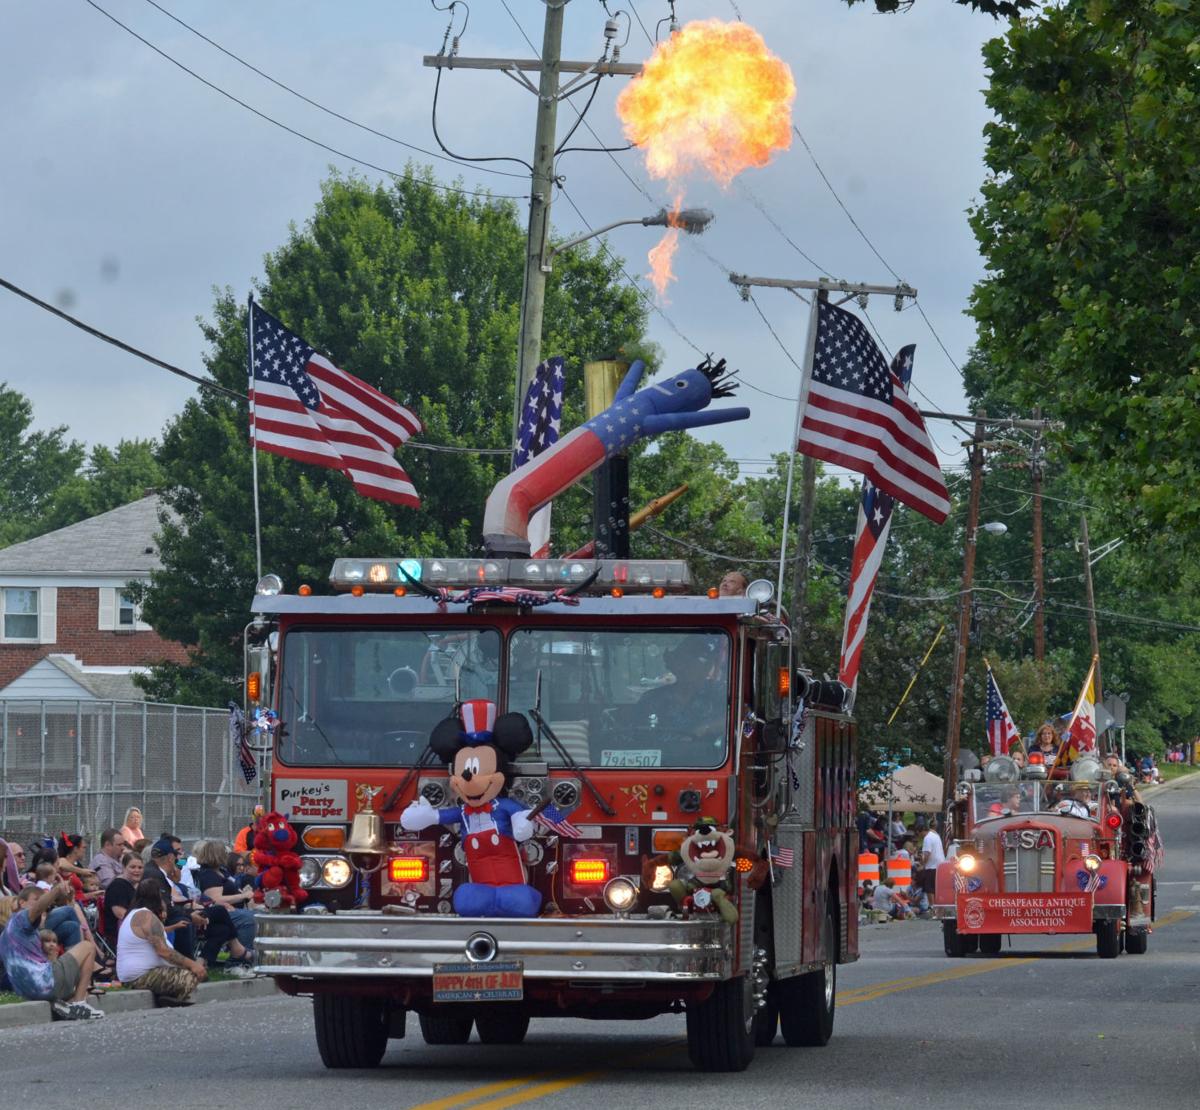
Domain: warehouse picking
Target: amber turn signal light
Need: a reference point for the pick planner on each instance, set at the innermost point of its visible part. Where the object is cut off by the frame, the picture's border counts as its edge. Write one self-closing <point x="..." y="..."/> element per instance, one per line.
<point x="324" y="836"/>
<point x="253" y="686"/>
<point x="667" y="840"/>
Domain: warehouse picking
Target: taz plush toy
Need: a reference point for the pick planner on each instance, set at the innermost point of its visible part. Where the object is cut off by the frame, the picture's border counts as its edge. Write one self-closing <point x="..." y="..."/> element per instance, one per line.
<point x="278" y="866"/>
<point x="706" y="856"/>
<point x="479" y="748"/>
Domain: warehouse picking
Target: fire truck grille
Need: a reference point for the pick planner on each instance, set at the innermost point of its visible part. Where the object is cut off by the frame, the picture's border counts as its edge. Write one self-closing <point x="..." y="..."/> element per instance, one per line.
<point x="1029" y="869"/>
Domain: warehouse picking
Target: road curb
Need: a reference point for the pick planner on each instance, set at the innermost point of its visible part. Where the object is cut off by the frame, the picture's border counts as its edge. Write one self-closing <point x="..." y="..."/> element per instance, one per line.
<point x="125" y="1001"/>
<point x="1150" y="791"/>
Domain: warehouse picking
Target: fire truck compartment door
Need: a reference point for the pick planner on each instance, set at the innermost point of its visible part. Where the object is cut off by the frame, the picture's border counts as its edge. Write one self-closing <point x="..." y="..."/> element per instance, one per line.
<point x="787" y="900"/>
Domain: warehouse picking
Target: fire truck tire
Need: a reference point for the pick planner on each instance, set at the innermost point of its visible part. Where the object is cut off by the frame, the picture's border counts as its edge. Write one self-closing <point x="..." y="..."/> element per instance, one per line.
<point x="352" y="1032"/>
<point x="767" y="1023"/>
<point x="807" y="1003"/>
<point x="501" y="1028"/>
<point x="989" y="943"/>
<point x="1135" y="942"/>
<point x="954" y="942"/>
<point x="720" y="1030"/>
<point x="445" y="1028"/>
<point x="1108" y="940"/>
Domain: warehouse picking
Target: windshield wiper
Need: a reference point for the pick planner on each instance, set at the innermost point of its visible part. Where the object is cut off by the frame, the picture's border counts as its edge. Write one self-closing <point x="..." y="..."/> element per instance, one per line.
<point x="566" y="757"/>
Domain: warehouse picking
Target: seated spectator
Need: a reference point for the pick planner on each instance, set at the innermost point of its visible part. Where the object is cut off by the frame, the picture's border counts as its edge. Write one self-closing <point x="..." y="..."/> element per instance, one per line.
<point x="119" y="896"/>
<point x="71" y="850"/>
<point x="889" y="901"/>
<point x="131" y="830"/>
<point x="216" y="883"/>
<point x="106" y="863"/>
<point x="63" y="981"/>
<point x="45" y="875"/>
<point x="146" y="960"/>
<point x="12" y="864"/>
<point x="141" y="847"/>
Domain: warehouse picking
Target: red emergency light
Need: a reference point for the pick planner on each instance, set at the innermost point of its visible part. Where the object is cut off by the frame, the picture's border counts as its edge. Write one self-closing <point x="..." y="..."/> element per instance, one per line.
<point x="1113" y="820"/>
<point x="408" y="869"/>
<point x="1036" y="759"/>
<point x="590" y="871"/>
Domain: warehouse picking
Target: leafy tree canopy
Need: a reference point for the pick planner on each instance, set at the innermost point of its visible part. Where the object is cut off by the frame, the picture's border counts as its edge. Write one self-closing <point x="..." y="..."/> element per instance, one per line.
<point x="112" y="476"/>
<point x="1087" y="223"/>
<point x="995" y="8"/>
<point x="33" y="466"/>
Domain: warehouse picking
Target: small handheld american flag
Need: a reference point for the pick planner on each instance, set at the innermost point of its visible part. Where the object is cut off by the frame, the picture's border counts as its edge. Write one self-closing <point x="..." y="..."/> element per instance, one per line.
<point x="552" y="818"/>
<point x="782" y="857"/>
<point x="237" y="734"/>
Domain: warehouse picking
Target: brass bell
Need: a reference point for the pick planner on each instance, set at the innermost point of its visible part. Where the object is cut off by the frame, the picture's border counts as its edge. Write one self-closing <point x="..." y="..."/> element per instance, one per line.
<point x="366" y="845"/>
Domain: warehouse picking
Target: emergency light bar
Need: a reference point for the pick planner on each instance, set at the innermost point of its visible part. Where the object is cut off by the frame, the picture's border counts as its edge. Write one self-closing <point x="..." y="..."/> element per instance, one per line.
<point x="627" y="575"/>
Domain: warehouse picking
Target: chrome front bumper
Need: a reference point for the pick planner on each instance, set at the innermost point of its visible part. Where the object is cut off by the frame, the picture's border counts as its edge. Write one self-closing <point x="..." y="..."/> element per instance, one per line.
<point x="372" y="945"/>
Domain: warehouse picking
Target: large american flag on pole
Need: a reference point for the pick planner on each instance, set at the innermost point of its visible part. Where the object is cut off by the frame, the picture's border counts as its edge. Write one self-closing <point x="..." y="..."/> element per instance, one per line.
<point x="541" y="421"/>
<point x="304" y="407"/>
<point x="858" y="416"/>
<point x="874" y="521"/>
<point x="1002" y="731"/>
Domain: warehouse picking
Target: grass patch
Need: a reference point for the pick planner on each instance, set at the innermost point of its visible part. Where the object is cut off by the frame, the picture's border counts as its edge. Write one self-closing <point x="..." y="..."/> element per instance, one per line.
<point x="1175" y="770"/>
<point x="6" y="998"/>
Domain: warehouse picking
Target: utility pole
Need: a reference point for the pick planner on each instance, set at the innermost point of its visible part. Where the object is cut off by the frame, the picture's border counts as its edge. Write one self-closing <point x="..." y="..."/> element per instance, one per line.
<point x="1039" y="587"/>
<point x="954" y="721"/>
<point x="549" y="92"/>
<point x="1091" y="599"/>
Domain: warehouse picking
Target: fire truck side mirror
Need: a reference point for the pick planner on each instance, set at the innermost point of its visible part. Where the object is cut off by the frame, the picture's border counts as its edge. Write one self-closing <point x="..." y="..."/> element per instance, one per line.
<point x="774" y="736"/>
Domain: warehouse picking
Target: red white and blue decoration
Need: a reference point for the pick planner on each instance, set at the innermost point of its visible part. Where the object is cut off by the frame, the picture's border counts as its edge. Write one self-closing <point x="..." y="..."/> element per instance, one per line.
<point x="541" y="420"/>
<point x="666" y="406"/>
<point x="1002" y="731"/>
<point x="479" y="747"/>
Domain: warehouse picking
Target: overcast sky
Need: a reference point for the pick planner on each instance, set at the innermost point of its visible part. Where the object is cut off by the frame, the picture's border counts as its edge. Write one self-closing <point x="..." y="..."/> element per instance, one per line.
<point x="130" y="190"/>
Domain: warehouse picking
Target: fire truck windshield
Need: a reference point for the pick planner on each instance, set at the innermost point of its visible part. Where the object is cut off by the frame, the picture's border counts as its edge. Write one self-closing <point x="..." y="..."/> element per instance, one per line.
<point x="370" y="697"/>
<point x="626" y="698"/>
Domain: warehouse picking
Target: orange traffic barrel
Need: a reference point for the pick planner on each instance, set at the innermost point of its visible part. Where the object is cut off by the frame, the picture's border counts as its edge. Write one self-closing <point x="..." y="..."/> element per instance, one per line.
<point x="899" y="870"/>
<point x="868" y="868"/>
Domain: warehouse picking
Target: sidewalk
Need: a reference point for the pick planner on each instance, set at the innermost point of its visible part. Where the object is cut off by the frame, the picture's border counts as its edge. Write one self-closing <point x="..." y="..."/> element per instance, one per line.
<point x="125" y="1001"/>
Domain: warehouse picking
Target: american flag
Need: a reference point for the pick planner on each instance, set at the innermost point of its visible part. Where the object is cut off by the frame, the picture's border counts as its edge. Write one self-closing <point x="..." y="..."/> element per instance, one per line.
<point x="237" y="734"/>
<point x="874" y="521"/>
<point x="1001" y="730"/>
<point x="551" y="817"/>
<point x="858" y="416"/>
<point x="304" y="407"/>
<point x="541" y="419"/>
<point x="782" y="857"/>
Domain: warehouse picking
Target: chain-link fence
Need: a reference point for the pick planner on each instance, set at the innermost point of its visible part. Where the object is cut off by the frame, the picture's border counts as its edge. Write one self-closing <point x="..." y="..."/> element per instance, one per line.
<point x="77" y="766"/>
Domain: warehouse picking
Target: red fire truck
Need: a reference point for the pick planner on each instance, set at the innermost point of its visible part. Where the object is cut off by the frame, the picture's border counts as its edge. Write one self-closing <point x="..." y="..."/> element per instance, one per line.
<point x="359" y="679"/>
<point x="1057" y="855"/>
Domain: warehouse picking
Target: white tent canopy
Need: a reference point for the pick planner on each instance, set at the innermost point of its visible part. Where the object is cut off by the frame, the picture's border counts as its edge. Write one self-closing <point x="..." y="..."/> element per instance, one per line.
<point x="912" y="789"/>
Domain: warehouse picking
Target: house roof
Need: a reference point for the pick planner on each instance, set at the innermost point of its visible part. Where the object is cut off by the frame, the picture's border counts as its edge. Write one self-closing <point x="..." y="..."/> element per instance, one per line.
<point x="63" y="676"/>
<point x="120" y="541"/>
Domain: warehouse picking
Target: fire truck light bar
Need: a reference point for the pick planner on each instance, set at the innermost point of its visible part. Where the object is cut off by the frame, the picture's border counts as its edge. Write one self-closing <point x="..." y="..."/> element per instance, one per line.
<point x="629" y="576"/>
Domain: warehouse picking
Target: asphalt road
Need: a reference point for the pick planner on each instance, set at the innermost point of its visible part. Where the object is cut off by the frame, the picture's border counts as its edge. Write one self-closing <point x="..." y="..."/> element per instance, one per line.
<point x="1046" y="1024"/>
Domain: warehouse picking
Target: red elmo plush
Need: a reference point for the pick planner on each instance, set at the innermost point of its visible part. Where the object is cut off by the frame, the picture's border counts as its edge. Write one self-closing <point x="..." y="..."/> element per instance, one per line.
<point x="278" y="866"/>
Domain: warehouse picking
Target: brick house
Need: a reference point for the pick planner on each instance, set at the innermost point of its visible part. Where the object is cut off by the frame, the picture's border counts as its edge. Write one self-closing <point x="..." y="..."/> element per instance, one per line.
<point x="65" y="618"/>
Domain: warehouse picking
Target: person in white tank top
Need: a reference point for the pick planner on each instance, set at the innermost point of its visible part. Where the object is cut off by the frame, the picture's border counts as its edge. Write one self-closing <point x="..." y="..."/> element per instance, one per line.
<point x="145" y="958"/>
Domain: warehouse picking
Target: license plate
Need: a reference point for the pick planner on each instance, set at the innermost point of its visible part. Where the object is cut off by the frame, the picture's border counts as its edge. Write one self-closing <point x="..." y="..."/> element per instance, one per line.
<point x="494" y="982"/>
<point x="638" y="757"/>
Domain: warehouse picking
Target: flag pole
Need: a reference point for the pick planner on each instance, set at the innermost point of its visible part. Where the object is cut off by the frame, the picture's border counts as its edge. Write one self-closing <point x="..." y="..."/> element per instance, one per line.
<point x="810" y="348"/>
<point x="1087" y="682"/>
<point x="253" y="435"/>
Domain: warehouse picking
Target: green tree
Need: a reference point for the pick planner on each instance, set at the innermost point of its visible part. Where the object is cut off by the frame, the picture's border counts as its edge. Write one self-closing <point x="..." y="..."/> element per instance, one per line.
<point x="416" y="292"/>
<point x="112" y="476"/>
<point x="33" y="467"/>
<point x="1087" y="225"/>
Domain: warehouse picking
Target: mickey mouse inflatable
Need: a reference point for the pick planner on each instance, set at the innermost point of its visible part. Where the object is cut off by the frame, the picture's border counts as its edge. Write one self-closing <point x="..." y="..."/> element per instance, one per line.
<point x="479" y="748"/>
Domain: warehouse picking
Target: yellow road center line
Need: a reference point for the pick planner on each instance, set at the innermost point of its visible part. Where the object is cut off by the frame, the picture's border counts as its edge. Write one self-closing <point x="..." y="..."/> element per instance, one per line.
<point x="540" y="1091"/>
<point x="463" y="1097"/>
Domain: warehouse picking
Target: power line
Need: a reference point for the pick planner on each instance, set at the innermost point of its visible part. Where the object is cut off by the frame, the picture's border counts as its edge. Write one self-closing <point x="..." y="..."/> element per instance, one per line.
<point x="208" y="383"/>
<point x="285" y="127"/>
<point x="316" y="104"/>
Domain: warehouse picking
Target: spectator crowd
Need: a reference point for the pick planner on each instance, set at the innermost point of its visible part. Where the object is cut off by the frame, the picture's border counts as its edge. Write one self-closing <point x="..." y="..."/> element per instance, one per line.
<point x="138" y="913"/>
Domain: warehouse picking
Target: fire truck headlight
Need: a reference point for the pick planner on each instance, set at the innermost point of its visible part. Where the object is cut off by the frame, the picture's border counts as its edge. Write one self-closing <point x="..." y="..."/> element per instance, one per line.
<point x="336" y="872"/>
<point x="1092" y="863"/>
<point x="310" y="872"/>
<point x="269" y="585"/>
<point x="760" y="591"/>
<point x="620" y="894"/>
<point x="662" y="878"/>
<point x="966" y="863"/>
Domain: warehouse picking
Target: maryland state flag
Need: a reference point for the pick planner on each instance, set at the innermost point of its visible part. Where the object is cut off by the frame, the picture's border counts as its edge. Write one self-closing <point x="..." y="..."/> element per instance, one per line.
<point x="1081" y="732"/>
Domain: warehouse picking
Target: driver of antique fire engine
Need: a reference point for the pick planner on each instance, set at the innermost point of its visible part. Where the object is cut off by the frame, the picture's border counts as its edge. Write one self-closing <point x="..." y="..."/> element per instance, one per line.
<point x="1079" y="803"/>
<point x="691" y="703"/>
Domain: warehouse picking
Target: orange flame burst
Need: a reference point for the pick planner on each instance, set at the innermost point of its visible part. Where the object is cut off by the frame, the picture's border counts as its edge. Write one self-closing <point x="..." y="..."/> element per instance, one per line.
<point x="660" y="256"/>
<point x="712" y="97"/>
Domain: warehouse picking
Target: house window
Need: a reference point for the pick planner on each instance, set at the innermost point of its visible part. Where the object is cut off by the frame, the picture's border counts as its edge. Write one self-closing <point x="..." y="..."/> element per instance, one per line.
<point x="20" y="614"/>
<point x="126" y="611"/>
